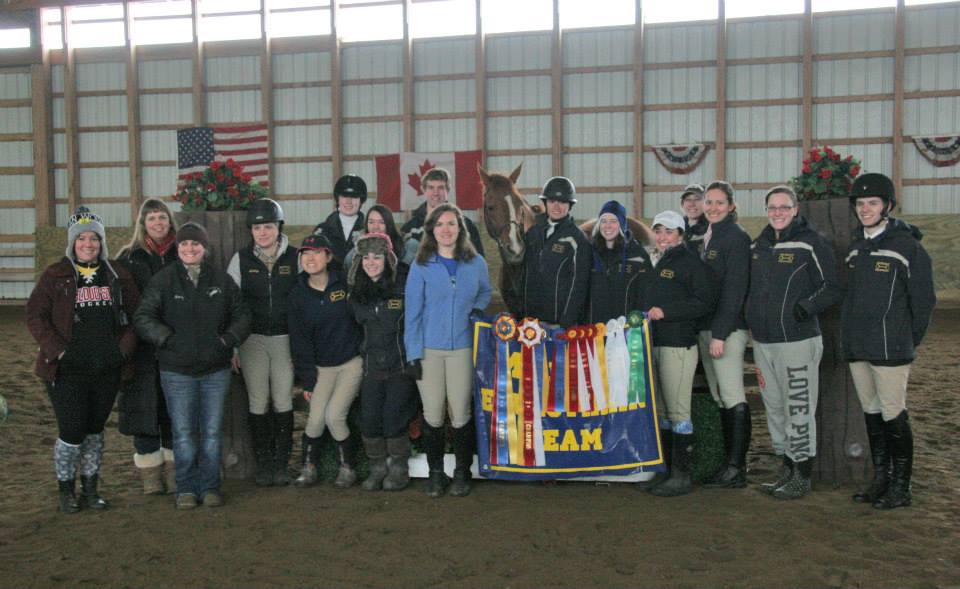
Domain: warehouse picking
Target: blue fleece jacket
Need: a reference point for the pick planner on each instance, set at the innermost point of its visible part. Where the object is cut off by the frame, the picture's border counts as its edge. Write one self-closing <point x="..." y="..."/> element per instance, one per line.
<point x="438" y="305"/>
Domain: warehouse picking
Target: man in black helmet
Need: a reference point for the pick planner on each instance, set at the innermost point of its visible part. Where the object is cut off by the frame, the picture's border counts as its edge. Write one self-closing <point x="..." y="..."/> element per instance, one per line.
<point x="557" y="262"/>
<point x="890" y="299"/>
<point x="345" y="224"/>
<point x="436" y="190"/>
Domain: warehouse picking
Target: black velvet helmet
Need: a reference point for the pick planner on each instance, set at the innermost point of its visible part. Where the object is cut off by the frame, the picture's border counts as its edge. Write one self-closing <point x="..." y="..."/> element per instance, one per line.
<point x="350" y="185"/>
<point x="560" y="189"/>
<point x="876" y="185"/>
<point x="264" y="210"/>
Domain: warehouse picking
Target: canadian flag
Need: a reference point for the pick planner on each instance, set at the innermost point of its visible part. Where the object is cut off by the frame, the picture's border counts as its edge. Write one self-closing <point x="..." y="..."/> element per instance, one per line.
<point x="398" y="178"/>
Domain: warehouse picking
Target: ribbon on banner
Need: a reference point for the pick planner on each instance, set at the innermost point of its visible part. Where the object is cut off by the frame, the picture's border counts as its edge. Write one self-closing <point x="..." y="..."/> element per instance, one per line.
<point x="941" y="151"/>
<point x="635" y="347"/>
<point x="680" y="159"/>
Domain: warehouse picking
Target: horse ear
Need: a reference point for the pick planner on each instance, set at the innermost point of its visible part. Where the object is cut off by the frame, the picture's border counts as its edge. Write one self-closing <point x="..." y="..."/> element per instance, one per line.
<point x="483" y="174"/>
<point x="515" y="175"/>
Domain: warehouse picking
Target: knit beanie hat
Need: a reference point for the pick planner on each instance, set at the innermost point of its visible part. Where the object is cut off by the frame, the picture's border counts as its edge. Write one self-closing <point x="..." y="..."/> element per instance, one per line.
<point x="193" y="232"/>
<point x="81" y="221"/>
<point x="372" y="243"/>
<point x="616" y="209"/>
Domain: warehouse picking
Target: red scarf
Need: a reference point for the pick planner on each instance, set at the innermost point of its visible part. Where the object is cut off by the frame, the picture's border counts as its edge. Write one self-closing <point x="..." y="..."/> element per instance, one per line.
<point x="161" y="248"/>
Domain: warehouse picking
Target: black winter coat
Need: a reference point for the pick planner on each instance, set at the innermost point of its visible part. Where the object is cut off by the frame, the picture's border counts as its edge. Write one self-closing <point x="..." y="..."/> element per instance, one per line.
<point x="265" y="292"/>
<point x="139" y="399"/>
<point x="323" y="330"/>
<point x="693" y="234"/>
<point x="728" y="256"/>
<point x="890" y="296"/>
<point x="413" y="229"/>
<point x="556" y="272"/>
<point x="381" y="318"/>
<point x="618" y="283"/>
<point x="194" y="328"/>
<point x="333" y="229"/>
<point x="683" y="288"/>
<point x="799" y="268"/>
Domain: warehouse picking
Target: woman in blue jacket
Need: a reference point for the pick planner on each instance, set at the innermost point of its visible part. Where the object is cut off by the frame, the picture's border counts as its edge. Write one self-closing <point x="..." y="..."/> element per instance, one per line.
<point x="447" y="281"/>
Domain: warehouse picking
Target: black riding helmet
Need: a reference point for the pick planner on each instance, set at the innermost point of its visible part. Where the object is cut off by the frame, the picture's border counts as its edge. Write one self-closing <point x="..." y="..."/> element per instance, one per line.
<point x="350" y="185"/>
<point x="265" y="210"/>
<point x="876" y="185"/>
<point x="560" y="189"/>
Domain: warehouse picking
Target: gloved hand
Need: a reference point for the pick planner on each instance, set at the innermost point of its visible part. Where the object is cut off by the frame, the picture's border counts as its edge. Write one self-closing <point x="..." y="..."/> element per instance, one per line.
<point x="800" y="312"/>
<point x="414" y="369"/>
<point x="476" y="315"/>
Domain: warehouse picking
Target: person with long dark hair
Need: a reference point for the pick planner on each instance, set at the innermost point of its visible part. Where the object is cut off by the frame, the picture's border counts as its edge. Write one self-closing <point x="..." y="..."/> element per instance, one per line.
<point x="447" y="283"/>
<point x="80" y="314"/>
<point x="379" y="219"/>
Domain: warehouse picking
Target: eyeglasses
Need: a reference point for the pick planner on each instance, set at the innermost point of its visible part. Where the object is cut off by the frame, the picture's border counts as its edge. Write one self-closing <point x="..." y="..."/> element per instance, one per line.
<point x="780" y="209"/>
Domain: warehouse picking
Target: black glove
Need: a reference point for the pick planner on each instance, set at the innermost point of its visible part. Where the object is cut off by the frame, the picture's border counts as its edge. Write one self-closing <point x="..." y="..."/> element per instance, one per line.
<point x="476" y="315"/>
<point x="228" y="340"/>
<point x="800" y="313"/>
<point x="414" y="369"/>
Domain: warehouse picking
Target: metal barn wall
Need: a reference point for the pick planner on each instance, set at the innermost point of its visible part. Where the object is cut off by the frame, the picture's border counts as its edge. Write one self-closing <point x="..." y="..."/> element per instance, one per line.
<point x="17" y="184"/>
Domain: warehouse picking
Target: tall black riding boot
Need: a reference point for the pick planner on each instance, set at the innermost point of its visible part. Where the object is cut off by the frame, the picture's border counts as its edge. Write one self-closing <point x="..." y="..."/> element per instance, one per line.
<point x="433" y="445"/>
<point x="666" y="444"/>
<point x="880" y="456"/>
<point x="734" y="474"/>
<point x="66" y="458"/>
<point x="91" y="455"/>
<point x="67" y="496"/>
<point x="282" y="447"/>
<point x="261" y="434"/>
<point x="900" y="441"/>
<point x="464" y="440"/>
<point x="347" y="457"/>
<point x="680" y="481"/>
<point x="91" y="495"/>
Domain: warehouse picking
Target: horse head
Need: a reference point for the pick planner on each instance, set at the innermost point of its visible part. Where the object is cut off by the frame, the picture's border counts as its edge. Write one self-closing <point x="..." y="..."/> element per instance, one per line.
<point x="506" y="215"/>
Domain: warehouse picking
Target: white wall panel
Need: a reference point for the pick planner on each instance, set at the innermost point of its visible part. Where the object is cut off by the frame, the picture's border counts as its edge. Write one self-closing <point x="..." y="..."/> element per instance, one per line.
<point x="233" y="107"/>
<point x="159" y="182"/>
<point x="366" y="169"/>
<point x="600" y="89"/>
<point x="56" y="78"/>
<point x="654" y="173"/>
<point x="763" y="123"/>
<point x="301" y="67"/>
<point x="750" y="202"/>
<point x="16" y="153"/>
<point x="168" y="73"/>
<point x="853" y="77"/>
<point x="306" y="212"/>
<point x="932" y="72"/>
<point x="62" y="215"/>
<point x="694" y="84"/>
<point x="769" y="166"/>
<point x="303" y="178"/>
<point x="873" y="158"/>
<point x="166" y="109"/>
<point x="445" y="135"/>
<point x="769" y="81"/>
<point x="917" y="166"/>
<point x="301" y="140"/>
<point x="536" y="170"/>
<point x="931" y="116"/>
<point x="852" y="119"/>
<point x="101" y="76"/>
<point x="518" y="92"/>
<point x="669" y="43"/>
<point x="103" y="147"/>
<point x="598" y="48"/>
<point x="158" y="145"/>
<point x="301" y="103"/>
<point x="599" y="169"/>
<point x="520" y="52"/>
<point x="16" y="187"/>
<point x="930" y="200"/>
<point x="17" y="119"/>
<point x="95" y="111"/>
<point x="445" y="96"/>
<point x="17" y="221"/>
<point x="229" y="71"/>
<point x="764" y="38"/>
<point x="97" y="182"/>
<point x="443" y="56"/>
<point x="58" y="115"/>
<point x="867" y="31"/>
<point x="59" y="148"/>
<point x="932" y="26"/>
<point x="372" y="100"/>
<point x="588" y="205"/>
<point x="372" y="61"/>
<point x="519" y="132"/>
<point x="679" y="126"/>
<point x="601" y="129"/>
<point x="113" y="215"/>
<point x="657" y="202"/>
<point x="60" y="184"/>
<point x="372" y="138"/>
<point x="14" y="85"/>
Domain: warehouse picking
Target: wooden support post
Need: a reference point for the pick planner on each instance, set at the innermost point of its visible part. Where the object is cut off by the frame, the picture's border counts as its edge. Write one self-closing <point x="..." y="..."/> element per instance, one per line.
<point x="638" y="112"/>
<point x="199" y="97"/>
<point x="133" y="116"/>
<point x="408" y="131"/>
<point x="41" y="107"/>
<point x="898" y="73"/>
<point x="336" y="95"/>
<point x="480" y="81"/>
<point x="266" y="90"/>
<point x="721" y="114"/>
<point x="556" y="91"/>
<point x="807" y="82"/>
<point x="70" y="116"/>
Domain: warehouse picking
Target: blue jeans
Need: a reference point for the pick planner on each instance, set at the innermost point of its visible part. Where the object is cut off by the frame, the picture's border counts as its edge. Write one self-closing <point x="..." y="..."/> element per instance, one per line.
<point x="195" y="404"/>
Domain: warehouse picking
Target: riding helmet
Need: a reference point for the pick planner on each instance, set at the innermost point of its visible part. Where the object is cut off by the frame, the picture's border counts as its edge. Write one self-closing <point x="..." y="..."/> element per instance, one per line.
<point x="350" y="185"/>
<point x="876" y="185"/>
<point x="560" y="189"/>
<point x="264" y="210"/>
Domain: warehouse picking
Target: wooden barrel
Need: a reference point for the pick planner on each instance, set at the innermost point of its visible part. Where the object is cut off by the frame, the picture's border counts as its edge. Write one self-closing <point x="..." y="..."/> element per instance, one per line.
<point x="842" y="447"/>
<point x="228" y="232"/>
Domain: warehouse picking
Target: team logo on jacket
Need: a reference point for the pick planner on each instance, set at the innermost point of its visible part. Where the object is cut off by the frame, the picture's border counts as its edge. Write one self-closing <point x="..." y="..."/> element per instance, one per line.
<point x="666" y="273"/>
<point x="213" y="291"/>
<point x="785" y="258"/>
<point x="253" y="271"/>
<point x="337" y="295"/>
<point x="712" y="254"/>
<point x="395" y="304"/>
<point x="558" y="248"/>
<point x="284" y="270"/>
<point x="882" y="267"/>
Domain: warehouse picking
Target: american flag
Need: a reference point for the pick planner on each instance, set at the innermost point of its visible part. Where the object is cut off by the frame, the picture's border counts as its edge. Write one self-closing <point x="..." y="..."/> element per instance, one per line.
<point x="197" y="147"/>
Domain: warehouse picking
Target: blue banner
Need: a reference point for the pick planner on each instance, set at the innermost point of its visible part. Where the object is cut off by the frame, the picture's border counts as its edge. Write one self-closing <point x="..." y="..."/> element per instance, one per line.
<point x="523" y="399"/>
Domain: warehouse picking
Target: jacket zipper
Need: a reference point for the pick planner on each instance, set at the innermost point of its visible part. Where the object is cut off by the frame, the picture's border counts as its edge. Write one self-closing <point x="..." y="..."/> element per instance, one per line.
<point x="893" y="283"/>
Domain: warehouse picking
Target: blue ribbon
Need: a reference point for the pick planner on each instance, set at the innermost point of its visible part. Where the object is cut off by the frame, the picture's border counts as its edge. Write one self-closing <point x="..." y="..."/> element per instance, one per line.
<point x="503" y="373"/>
